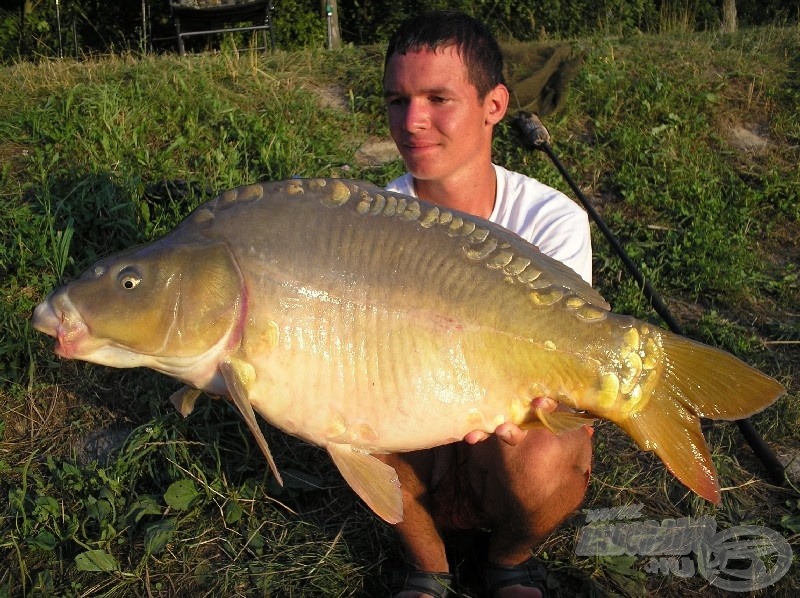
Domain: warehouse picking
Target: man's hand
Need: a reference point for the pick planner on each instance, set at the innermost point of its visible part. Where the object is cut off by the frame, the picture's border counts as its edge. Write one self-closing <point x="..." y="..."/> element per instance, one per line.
<point x="511" y="433"/>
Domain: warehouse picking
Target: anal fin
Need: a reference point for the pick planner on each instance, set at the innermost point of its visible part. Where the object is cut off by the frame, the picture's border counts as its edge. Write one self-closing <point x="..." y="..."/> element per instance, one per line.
<point x="559" y="422"/>
<point x="239" y="377"/>
<point x="373" y="480"/>
<point x="184" y="399"/>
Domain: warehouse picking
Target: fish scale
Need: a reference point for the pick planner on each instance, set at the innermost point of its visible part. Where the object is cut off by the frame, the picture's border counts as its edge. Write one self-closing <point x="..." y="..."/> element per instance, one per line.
<point x="366" y="321"/>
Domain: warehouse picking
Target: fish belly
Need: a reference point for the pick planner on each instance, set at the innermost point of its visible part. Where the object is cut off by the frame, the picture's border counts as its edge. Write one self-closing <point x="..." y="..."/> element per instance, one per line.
<point x="393" y="325"/>
<point x="392" y="335"/>
<point x="398" y="379"/>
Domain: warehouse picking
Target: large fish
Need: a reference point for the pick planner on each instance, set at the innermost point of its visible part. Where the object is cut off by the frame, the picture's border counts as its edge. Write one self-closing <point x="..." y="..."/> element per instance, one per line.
<point x="368" y="322"/>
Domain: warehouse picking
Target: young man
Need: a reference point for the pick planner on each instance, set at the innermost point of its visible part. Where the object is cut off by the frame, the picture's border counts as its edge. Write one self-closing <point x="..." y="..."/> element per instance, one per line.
<point x="444" y="92"/>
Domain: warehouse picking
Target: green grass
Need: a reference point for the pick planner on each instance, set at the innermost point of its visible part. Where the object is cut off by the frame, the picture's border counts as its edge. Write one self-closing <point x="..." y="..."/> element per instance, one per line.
<point x="107" y="491"/>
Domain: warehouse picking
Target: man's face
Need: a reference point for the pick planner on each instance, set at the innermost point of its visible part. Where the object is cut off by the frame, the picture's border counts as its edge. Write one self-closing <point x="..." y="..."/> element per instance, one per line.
<point x="436" y="119"/>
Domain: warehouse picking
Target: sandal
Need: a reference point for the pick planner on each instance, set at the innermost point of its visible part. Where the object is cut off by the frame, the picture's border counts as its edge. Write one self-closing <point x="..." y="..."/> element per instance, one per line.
<point x="437" y="585"/>
<point x="529" y="574"/>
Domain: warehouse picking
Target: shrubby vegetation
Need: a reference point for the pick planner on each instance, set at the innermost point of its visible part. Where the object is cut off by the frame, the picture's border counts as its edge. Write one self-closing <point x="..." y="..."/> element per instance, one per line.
<point x="89" y="26"/>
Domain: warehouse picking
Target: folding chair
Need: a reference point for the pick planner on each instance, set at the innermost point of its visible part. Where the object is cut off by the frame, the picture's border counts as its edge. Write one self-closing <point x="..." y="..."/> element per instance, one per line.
<point x="208" y="17"/>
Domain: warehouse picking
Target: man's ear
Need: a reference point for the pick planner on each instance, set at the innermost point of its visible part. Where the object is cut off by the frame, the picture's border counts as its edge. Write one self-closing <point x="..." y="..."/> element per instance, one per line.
<point x="496" y="104"/>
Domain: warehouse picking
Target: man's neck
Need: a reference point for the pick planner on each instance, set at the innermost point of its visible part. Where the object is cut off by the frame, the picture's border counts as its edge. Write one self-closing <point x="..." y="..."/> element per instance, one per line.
<point x="474" y="194"/>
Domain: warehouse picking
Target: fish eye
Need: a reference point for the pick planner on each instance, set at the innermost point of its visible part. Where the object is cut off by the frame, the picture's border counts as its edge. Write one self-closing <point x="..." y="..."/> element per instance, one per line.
<point x="129" y="279"/>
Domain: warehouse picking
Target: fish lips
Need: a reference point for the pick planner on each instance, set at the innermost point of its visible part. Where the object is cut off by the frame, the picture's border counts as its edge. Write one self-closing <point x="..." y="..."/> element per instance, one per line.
<point x="56" y="317"/>
<point x="45" y="318"/>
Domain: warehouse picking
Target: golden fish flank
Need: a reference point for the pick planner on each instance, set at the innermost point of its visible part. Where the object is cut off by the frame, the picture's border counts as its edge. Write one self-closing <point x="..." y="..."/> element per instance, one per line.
<point x="365" y="321"/>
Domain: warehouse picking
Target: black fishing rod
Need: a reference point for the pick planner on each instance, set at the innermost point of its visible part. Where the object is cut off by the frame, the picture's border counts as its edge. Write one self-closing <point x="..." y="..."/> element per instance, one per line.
<point x="535" y="136"/>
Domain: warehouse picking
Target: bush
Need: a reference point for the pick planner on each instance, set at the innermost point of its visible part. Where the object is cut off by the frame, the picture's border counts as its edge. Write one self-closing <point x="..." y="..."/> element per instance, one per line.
<point x="87" y="26"/>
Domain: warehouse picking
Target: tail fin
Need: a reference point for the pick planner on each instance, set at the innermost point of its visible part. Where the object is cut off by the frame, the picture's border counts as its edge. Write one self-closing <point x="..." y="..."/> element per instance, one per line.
<point x="696" y="381"/>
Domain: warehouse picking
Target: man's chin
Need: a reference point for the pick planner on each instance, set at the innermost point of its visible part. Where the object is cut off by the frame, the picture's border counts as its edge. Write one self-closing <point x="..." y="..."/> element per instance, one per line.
<point x="420" y="158"/>
<point x="422" y="170"/>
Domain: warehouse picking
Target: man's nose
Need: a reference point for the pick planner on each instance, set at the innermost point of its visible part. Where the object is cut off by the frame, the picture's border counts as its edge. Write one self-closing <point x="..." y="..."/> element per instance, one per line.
<point x="417" y="116"/>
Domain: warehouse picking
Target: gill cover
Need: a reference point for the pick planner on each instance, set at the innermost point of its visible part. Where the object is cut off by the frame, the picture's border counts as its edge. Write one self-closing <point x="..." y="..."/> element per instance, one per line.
<point x="171" y="300"/>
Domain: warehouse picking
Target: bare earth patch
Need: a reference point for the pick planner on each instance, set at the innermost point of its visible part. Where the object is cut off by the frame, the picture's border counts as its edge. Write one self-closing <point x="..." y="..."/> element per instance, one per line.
<point x="375" y="152"/>
<point x="331" y="96"/>
<point x="748" y="138"/>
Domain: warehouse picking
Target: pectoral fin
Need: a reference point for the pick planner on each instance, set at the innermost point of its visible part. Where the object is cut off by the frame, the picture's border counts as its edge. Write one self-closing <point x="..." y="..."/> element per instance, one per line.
<point x="184" y="399"/>
<point x="239" y="377"/>
<point x="373" y="480"/>
<point x="560" y="422"/>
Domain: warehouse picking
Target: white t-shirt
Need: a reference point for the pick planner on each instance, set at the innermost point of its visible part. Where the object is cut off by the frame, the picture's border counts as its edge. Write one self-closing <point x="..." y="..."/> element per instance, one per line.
<point x="539" y="214"/>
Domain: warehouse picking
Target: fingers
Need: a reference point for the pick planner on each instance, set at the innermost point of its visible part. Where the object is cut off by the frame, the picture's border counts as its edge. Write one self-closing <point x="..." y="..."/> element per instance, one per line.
<point x="508" y="432"/>
<point x="476" y="436"/>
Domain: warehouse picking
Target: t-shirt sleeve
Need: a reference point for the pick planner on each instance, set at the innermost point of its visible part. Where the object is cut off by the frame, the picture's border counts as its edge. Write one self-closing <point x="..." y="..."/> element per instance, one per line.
<point x="567" y="239"/>
<point x="545" y="217"/>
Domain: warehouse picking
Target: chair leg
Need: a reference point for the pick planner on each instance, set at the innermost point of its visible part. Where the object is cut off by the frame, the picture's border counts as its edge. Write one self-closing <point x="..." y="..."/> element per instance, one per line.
<point x="268" y="23"/>
<point x="271" y="34"/>
<point x="178" y="36"/>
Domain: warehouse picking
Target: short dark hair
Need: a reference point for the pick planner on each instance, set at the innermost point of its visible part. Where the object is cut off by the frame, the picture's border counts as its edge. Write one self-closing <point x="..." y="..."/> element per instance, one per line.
<point x="439" y="29"/>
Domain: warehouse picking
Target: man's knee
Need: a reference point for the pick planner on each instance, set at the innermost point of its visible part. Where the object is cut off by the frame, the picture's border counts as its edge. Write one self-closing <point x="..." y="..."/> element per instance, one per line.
<point x="553" y="467"/>
<point x="572" y="450"/>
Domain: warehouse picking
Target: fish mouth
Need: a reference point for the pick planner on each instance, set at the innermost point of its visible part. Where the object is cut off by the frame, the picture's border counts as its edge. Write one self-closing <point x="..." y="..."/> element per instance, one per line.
<point x="56" y="317"/>
<point x="45" y="319"/>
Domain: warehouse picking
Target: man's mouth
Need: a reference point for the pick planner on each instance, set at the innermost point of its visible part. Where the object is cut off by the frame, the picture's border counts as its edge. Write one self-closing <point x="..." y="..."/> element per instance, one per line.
<point x="415" y="147"/>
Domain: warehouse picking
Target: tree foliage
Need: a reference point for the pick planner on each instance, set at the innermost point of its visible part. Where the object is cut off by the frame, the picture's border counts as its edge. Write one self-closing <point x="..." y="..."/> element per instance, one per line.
<point x="38" y="28"/>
